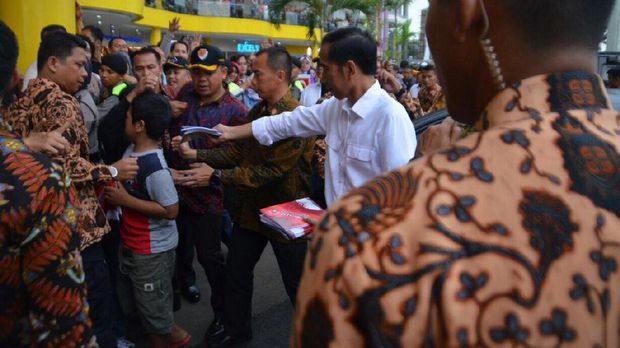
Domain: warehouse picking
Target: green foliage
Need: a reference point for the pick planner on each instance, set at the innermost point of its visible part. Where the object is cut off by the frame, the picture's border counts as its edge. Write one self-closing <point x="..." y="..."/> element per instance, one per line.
<point x="318" y="12"/>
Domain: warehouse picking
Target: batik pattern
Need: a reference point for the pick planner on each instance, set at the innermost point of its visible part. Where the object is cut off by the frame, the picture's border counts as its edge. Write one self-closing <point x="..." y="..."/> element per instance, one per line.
<point x="42" y="289"/>
<point x="44" y="108"/>
<point x="510" y="237"/>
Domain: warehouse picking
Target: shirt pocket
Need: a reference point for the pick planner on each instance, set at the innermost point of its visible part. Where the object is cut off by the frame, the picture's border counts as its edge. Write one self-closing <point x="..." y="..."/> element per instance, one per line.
<point x="360" y="153"/>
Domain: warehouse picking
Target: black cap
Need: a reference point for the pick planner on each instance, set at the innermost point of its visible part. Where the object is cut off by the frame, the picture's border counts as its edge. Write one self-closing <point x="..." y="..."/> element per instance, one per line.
<point x="115" y="62"/>
<point x="176" y="62"/>
<point x="207" y="58"/>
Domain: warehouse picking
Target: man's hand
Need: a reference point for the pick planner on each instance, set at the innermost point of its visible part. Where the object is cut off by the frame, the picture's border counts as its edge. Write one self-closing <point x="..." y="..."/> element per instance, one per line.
<point x="178" y="107"/>
<point x="127" y="168"/>
<point x="130" y="80"/>
<point x="195" y="41"/>
<point x="47" y="143"/>
<point x="198" y="176"/>
<point x="389" y="82"/>
<point x="181" y="145"/>
<point x="173" y="25"/>
<point x="148" y="83"/>
<point x="116" y="195"/>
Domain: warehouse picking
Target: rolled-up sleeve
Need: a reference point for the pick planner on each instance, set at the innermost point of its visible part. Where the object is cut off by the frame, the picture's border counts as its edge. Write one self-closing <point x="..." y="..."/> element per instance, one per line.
<point x="302" y="122"/>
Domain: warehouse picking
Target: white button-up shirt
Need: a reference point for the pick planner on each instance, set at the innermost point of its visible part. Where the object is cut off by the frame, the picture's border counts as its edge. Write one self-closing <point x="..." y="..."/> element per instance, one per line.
<point x="373" y="136"/>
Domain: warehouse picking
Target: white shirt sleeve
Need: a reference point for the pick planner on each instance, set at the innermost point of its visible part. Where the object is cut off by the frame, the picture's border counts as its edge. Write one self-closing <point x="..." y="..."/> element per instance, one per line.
<point x="302" y="122"/>
<point x="398" y="143"/>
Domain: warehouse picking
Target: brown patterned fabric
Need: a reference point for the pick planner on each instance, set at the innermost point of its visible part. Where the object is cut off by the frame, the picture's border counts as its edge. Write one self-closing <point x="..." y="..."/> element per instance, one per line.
<point x="45" y="107"/>
<point x="264" y="175"/>
<point x="510" y="237"/>
<point x="432" y="99"/>
<point x="42" y="288"/>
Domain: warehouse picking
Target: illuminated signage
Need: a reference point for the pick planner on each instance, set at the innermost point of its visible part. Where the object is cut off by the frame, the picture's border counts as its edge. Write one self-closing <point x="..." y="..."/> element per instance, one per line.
<point x="246" y="47"/>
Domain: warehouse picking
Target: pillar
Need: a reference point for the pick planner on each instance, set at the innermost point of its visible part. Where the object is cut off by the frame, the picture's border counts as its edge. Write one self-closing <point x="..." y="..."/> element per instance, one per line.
<point x="27" y="17"/>
<point x="155" y="35"/>
<point x="613" y="33"/>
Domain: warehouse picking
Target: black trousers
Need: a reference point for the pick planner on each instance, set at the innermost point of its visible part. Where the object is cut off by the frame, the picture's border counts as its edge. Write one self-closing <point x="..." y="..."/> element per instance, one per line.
<point x="245" y="250"/>
<point x="204" y="232"/>
<point x="99" y="294"/>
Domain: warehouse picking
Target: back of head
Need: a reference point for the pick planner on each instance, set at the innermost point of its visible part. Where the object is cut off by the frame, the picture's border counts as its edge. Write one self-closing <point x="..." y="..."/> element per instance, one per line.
<point x="8" y="56"/>
<point x="355" y="45"/>
<point x="52" y="29"/>
<point x="59" y="45"/>
<point x="547" y="24"/>
<point x="154" y="109"/>
<point x="96" y="32"/>
<point x="278" y="59"/>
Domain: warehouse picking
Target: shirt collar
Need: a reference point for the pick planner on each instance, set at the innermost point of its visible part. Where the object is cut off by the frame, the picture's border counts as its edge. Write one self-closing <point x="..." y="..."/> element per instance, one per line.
<point x="366" y="103"/>
<point x="544" y="94"/>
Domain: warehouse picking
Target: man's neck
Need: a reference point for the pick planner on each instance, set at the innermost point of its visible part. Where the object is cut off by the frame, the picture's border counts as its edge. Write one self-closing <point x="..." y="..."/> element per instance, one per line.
<point x="213" y="98"/>
<point x="360" y="87"/>
<point x="143" y="143"/>
<point x="281" y="93"/>
<point x="44" y="74"/>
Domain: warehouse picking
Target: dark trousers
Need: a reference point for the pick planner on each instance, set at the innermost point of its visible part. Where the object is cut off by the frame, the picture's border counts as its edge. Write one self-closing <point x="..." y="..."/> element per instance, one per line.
<point x="204" y="232"/>
<point x="245" y="250"/>
<point x="99" y="294"/>
<point x="111" y="245"/>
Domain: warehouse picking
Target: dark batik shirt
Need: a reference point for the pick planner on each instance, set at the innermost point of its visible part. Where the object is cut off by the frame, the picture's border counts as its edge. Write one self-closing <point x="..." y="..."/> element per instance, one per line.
<point x="42" y="288"/>
<point x="227" y="111"/>
<point x="510" y="237"/>
<point x="45" y="107"/>
<point x="264" y="175"/>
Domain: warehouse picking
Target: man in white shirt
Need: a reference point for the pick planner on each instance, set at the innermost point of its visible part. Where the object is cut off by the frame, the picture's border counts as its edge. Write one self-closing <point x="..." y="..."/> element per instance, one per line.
<point x="367" y="132"/>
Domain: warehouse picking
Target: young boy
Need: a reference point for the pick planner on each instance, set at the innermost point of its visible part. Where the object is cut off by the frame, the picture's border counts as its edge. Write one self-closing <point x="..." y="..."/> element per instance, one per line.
<point x="148" y="230"/>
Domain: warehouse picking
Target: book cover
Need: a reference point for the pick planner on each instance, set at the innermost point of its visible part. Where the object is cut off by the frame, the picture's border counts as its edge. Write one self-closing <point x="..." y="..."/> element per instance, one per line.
<point x="288" y="218"/>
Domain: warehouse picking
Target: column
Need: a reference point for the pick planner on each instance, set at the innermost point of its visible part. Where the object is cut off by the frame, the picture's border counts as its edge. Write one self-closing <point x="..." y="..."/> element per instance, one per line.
<point x="27" y="17"/>
<point x="613" y="33"/>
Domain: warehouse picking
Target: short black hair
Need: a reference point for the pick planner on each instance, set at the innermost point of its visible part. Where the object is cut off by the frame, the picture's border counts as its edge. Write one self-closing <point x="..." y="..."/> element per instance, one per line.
<point x="425" y="67"/>
<point x="90" y="43"/>
<point x="146" y="50"/>
<point x="552" y="23"/>
<point x="112" y="40"/>
<point x="353" y="44"/>
<point x="278" y="59"/>
<point x="59" y="45"/>
<point x="97" y="33"/>
<point x="52" y="29"/>
<point x="179" y="42"/>
<point x="8" y="55"/>
<point x="154" y="109"/>
<point x="613" y="73"/>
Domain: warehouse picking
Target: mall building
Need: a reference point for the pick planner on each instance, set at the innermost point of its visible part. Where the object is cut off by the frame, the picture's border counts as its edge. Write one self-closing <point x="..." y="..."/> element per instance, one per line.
<point x="236" y="27"/>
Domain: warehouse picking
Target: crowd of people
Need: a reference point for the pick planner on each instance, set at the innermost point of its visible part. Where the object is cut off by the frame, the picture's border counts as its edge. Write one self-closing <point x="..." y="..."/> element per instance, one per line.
<point x="500" y="225"/>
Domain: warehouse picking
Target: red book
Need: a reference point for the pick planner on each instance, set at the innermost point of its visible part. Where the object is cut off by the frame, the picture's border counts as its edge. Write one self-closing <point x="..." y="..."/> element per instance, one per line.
<point x="288" y="218"/>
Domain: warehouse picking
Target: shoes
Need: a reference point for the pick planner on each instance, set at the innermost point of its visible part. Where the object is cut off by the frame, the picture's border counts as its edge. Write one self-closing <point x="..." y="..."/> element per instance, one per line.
<point x="191" y="293"/>
<point x="124" y="343"/>
<point x="216" y="328"/>
<point x="225" y="340"/>
<point x="181" y="343"/>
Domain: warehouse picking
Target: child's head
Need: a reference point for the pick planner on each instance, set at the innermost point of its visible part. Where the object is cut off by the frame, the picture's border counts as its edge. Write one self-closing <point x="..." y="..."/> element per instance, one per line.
<point x="149" y="115"/>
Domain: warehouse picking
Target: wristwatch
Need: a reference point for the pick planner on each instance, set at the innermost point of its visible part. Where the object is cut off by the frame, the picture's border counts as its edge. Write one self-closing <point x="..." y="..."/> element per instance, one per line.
<point x="217" y="173"/>
<point x="113" y="172"/>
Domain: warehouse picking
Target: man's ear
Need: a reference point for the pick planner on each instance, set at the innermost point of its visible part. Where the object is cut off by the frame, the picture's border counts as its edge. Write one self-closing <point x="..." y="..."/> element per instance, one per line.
<point x="139" y="126"/>
<point x="52" y="64"/>
<point x="350" y="68"/>
<point x="280" y="74"/>
<point x="468" y="17"/>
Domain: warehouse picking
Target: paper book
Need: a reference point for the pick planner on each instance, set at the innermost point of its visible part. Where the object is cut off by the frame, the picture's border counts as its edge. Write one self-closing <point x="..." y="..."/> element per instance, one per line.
<point x="187" y="130"/>
<point x="288" y="218"/>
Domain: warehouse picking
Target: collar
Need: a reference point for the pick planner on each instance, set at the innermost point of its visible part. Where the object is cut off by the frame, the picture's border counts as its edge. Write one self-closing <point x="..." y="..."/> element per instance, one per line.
<point x="575" y="90"/>
<point x="366" y="103"/>
<point x="43" y="82"/>
<point x="286" y="103"/>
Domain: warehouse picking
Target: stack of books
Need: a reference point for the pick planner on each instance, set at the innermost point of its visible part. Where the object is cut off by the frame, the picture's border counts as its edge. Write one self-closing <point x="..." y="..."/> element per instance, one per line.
<point x="290" y="219"/>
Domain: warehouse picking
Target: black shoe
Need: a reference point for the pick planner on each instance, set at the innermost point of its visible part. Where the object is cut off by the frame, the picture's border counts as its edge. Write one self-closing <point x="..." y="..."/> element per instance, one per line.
<point x="226" y="340"/>
<point x="191" y="293"/>
<point x="216" y="328"/>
